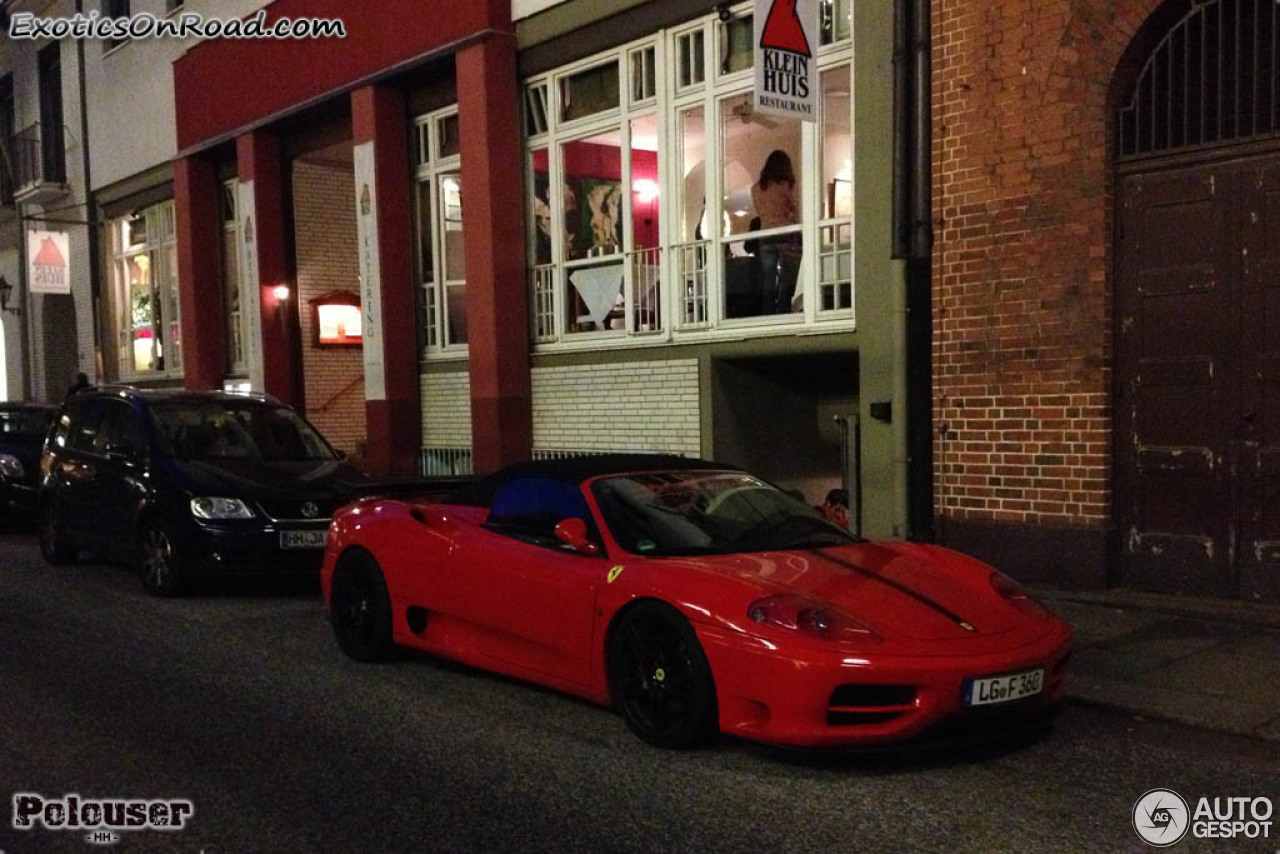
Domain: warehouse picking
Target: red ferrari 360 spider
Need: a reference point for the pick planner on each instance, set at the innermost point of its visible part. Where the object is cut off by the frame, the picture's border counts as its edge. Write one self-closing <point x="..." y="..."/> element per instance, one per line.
<point x="698" y="599"/>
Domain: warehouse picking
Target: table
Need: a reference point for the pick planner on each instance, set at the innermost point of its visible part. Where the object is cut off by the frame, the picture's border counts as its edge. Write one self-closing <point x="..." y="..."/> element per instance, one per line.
<point x="600" y="288"/>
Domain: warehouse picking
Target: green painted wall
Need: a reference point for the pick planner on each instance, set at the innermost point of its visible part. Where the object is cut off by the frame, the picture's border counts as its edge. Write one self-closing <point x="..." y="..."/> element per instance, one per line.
<point x="879" y="282"/>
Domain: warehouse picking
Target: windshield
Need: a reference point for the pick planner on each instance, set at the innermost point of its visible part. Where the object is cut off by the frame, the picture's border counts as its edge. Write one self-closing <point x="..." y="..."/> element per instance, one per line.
<point x="251" y="431"/>
<point x="25" y="424"/>
<point x="709" y="512"/>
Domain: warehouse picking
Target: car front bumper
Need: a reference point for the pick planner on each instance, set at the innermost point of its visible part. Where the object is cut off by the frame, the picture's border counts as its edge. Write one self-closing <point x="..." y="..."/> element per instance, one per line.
<point x="17" y="496"/>
<point x="789" y="697"/>
<point x="251" y="547"/>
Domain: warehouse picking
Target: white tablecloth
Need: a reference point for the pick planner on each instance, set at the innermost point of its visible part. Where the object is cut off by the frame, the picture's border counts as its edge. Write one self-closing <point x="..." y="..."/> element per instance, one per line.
<point x="599" y="288"/>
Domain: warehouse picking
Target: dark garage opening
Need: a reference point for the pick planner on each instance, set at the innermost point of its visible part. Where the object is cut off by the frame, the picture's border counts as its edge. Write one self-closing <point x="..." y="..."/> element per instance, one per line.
<point x="778" y="417"/>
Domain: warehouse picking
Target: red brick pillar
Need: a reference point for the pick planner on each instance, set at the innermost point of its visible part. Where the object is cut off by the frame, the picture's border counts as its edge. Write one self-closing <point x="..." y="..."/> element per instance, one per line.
<point x="393" y="409"/>
<point x="497" y="283"/>
<point x="261" y="168"/>
<point x="199" y="229"/>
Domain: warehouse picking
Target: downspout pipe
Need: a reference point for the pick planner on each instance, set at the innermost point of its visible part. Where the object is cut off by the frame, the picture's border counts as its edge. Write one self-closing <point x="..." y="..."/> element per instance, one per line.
<point x="919" y="93"/>
<point x="91" y="213"/>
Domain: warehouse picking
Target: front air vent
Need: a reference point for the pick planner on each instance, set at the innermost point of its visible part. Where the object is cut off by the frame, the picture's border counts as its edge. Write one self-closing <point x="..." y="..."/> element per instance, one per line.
<point x="862" y="705"/>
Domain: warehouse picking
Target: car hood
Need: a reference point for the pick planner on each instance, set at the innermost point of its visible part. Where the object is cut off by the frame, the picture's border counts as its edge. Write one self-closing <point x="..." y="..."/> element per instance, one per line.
<point x="329" y="480"/>
<point x="898" y="590"/>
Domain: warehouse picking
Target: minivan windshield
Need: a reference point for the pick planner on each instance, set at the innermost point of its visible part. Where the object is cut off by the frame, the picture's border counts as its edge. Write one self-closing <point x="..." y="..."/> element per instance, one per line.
<point x="200" y="430"/>
<point x="25" y="424"/>
<point x="709" y="512"/>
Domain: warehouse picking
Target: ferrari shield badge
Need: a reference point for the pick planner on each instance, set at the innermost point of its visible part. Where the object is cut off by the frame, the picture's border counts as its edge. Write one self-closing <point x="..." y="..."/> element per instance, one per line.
<point x="614" y="573"/>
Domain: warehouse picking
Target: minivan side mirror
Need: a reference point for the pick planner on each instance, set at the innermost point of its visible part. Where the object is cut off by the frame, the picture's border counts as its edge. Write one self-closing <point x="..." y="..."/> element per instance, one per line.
<point x="573" y="531"/>
<point x="124" y="451"/>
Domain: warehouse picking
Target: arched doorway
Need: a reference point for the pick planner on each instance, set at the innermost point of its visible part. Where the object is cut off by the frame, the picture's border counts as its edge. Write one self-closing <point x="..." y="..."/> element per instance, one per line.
<point x="1197" y="301"/>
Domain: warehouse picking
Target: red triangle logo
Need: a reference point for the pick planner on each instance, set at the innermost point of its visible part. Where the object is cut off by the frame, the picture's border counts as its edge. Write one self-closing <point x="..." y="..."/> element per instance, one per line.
<point x="783" y="30"/>
<point x="49" y="256"/>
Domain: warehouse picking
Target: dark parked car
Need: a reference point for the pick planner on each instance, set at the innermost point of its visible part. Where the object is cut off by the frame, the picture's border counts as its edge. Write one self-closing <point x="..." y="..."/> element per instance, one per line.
<point x="187" y="485"/>
<point x="23" y="427"/>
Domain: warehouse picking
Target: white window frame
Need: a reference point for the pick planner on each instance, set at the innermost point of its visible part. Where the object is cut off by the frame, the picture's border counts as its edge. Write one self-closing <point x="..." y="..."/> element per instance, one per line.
<point x="160" y="247"/>
<point x="669" y="101"/>
<point x="431" y="169"/>
<point x="237" y="323"/>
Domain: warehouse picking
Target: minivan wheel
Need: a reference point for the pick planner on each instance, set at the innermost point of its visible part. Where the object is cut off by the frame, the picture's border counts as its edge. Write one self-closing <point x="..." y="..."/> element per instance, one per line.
<point x="56" y="547"/>
<point x="159" y="560"/>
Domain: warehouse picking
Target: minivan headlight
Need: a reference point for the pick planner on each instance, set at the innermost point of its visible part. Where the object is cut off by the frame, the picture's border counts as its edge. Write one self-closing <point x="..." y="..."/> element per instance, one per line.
<point x="11" y="466"/>
<point x="220" y="508"/>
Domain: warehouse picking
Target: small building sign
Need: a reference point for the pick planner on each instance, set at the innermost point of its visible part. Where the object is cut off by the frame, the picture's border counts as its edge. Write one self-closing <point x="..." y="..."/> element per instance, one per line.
<point x="337" y="319"/>
<point x="786" y="34"/>
<point x="48" y="262"/>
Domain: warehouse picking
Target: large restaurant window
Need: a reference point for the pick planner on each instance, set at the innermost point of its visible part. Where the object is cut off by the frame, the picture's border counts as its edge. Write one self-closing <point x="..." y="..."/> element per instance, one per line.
<point x="662" y="204"/>
<point x="441" y="254"/>
<point x="144" y="274"/>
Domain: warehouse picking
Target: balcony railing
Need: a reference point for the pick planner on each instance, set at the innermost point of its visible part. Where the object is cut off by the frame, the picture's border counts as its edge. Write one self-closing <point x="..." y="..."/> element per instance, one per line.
<point x="39" y="153"/>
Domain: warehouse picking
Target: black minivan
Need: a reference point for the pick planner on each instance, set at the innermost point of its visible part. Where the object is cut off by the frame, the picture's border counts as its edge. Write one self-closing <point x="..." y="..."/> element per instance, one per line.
<point x="187" y="485"/>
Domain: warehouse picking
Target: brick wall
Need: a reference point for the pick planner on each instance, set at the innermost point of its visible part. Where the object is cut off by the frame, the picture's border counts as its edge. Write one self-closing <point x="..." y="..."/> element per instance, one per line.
<point x="628" y="406"/>
<point x="1022" y="265"/>
<point x="325" y="236"/>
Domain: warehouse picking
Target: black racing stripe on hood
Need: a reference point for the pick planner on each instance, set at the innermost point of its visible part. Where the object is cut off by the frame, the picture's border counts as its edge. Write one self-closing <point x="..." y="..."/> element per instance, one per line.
<point x="901" y="588"/>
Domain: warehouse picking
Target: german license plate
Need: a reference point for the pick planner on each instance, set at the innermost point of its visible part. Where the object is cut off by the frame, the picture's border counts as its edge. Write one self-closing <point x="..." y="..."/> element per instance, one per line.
<point x="303" y="539"/>
<point x="1003" y="689"/>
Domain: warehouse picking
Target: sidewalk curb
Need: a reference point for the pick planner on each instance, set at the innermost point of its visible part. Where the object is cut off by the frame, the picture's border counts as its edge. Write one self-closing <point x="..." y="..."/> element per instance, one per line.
<point x="1261" y="614"/>
<point x="1104" y="696"/>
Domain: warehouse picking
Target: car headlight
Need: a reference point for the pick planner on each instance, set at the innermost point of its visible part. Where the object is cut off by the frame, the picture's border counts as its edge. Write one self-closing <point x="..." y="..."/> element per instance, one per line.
<point x="11" y="466"/>
<point x="220" y="508"/>
<point x="1013" y="593"/>
<point x="795" y="613"/>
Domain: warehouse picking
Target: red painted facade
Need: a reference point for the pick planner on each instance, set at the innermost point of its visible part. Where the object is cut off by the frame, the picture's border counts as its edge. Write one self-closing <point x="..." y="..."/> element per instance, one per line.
<point x="225" y="85"/>
<point x="221" y="94"/>
<point x="497" y="289"/>
<point x="394" y="424"/>
<point x="259" y="160"/>
<point x="195" y="191"/>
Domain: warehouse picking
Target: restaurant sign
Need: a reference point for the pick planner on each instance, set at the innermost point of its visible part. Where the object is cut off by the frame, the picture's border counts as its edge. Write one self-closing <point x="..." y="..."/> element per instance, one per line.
<point x="48" y="262"/>
<point x="786" y="34"/>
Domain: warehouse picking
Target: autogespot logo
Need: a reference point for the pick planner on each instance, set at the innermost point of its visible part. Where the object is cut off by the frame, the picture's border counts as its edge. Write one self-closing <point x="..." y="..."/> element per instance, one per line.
<point x="1160" y="818"/>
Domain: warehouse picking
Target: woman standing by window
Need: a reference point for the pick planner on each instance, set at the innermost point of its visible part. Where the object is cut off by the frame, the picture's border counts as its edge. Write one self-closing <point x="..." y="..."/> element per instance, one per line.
<point x="774" y="198"/>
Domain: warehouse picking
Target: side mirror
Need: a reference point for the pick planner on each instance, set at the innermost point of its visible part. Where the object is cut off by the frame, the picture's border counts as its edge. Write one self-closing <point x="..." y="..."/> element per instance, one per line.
<point x="124" y="451"/>
<point x="574" y="532"/>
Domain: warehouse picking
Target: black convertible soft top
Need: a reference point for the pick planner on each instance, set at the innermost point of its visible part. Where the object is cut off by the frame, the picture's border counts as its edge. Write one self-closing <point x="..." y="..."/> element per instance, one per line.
<point x="575" y="470"/>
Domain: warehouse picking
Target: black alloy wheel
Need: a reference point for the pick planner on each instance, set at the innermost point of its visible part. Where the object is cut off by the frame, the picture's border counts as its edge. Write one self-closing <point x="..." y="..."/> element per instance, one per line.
<point x="159" y="560"/>
<point x="56" y="547"/>
<point x="660" y="678"/>
<point x="360" y="608"/>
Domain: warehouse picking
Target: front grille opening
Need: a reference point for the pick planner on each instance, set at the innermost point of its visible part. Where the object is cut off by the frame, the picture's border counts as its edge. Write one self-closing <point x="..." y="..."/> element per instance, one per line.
<point x="853" y="705"/>
<point x="873" y="696"/>
<point x="835" y="718"/>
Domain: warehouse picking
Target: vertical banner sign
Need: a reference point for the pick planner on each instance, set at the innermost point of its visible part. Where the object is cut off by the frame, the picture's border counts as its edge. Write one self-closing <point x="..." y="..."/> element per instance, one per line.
<point x="786" y="33"/>
<point x="375" y="380"/>
<point x="250" y="286"/>
<point x="49" y="262"/>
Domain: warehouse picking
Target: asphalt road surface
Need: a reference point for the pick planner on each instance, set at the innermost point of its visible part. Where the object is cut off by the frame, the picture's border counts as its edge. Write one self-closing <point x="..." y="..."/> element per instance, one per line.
<point x="240" y="701"/>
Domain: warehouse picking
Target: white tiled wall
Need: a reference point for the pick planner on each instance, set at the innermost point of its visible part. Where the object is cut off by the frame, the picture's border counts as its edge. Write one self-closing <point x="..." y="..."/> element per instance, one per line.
<point x="446" y="410"/>
<point x="627" y="406"/>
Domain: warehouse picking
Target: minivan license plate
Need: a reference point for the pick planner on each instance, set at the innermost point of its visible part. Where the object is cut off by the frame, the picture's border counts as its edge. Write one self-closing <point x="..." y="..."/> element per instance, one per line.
<point x="303" y="539"/>
<point x="1003" y="689"/>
